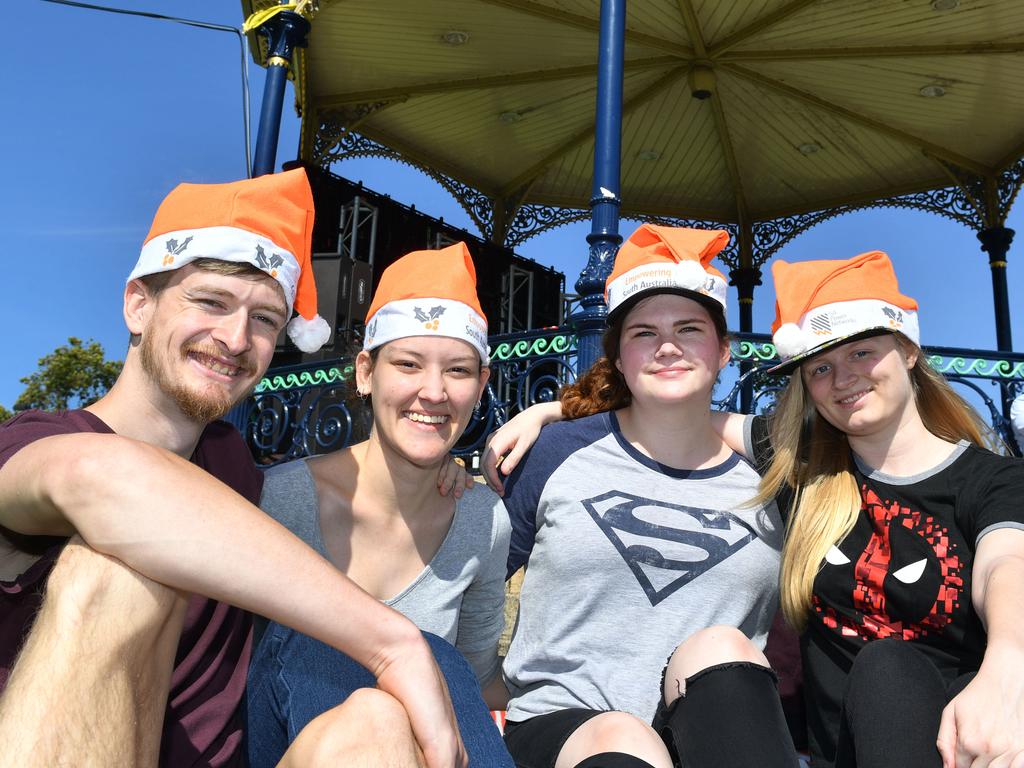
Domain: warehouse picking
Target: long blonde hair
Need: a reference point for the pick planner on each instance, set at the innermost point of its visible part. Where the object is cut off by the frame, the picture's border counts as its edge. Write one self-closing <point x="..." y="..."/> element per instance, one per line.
<point x="814" y="460"/>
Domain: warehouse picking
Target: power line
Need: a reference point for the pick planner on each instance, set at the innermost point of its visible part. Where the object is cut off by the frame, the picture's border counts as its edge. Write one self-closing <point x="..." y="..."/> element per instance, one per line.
<point x="200" y="25"/>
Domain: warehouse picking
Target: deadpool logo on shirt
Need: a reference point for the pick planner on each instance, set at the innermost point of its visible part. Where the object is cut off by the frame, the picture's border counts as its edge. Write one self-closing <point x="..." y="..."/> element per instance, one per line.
<point x="902" y="577"/>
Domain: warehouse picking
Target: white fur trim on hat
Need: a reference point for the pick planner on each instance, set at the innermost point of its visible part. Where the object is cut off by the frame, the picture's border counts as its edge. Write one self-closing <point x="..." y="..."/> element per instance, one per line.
<point x="172" y="250"/>
<point x="427" y="317"/>
<point x="688" y="275"/>
<point x="840" y="320"/>
<point x="308" y="335"/>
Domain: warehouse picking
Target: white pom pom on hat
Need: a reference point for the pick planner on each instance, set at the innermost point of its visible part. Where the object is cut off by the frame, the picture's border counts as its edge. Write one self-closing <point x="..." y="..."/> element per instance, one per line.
<point x="790" y="340"/>
<point x="308" y="335"/>
<point x="266" y="222"/>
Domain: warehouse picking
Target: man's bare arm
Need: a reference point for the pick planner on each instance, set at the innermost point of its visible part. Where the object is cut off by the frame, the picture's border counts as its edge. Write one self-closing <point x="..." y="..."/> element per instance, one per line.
<point x="176" y="524"/>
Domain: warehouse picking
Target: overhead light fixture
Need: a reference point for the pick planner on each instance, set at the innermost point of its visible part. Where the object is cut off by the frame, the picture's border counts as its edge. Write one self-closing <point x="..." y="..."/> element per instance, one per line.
<point x="945" y="5"/>
<point x="510" y="117"/>
<point x="455" y="37"/>
<point x="702" y="81"/>
<point x="808" y="148"/>
<point x="648" y="154"/>
<point x="932" y="91"/>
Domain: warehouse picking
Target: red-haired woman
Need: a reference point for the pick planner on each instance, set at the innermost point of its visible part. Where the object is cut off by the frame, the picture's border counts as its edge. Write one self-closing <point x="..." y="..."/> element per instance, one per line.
<point x="638" y="547"/>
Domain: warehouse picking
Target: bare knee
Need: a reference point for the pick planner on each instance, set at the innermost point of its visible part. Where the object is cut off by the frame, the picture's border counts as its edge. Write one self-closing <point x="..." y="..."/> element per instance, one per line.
<point x="706" y="648"/>
<point x="86" y="586"/>
<point x="370" y="728"/>
<point x="614" y="732"/>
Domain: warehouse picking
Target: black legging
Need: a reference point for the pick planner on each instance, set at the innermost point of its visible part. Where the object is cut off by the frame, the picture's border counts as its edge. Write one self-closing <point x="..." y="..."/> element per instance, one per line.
<point x="730" y="717"/>
<point x="891" y="711"/>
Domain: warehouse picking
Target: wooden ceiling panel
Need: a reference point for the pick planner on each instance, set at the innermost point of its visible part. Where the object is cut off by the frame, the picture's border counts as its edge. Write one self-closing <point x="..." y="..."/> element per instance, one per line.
<point x="853" y="23"/>
<point x="976" y="114"/>
<point x="791" y="154"/>
<point x="513" y="107"/>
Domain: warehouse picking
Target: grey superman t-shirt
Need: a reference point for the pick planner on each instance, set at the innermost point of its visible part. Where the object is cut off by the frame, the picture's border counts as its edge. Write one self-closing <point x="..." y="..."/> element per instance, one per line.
<point x="626" y="558"/>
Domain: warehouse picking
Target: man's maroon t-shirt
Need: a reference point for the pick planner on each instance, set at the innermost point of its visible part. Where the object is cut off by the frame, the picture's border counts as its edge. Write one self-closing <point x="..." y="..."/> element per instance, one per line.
<point x="203" y="724"/>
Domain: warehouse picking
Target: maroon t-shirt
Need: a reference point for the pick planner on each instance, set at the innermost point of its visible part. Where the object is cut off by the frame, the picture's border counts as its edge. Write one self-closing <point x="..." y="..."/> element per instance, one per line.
<point x="203" y="724"/>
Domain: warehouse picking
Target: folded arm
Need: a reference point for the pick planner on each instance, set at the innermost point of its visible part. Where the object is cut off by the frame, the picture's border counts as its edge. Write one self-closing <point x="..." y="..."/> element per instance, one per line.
<point x="176" y="524"/>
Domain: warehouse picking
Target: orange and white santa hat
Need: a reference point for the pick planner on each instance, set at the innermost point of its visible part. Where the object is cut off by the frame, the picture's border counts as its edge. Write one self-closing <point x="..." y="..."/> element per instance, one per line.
<point x="428" y="293"/>
<point x="266" y="222"/>
<point x="667" y="260"/>
<point x="819" y="304"/>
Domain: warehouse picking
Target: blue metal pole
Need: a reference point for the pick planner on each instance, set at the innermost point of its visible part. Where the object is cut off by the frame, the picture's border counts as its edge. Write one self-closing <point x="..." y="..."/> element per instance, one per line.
<point x="604" y="238"/>
<point x="284" y="32"/>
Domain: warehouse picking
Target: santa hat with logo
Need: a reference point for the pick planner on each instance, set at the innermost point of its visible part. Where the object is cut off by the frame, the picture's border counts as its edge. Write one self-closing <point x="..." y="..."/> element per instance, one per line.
<point x="820" y="304"/>
<point x="266" y="222"/>
<point x="428" y="293"/>
<point x="667" y="260"/>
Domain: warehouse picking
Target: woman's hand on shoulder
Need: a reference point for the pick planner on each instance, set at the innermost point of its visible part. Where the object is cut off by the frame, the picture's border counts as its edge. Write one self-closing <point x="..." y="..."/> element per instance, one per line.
<point x="507" y="445"/>
<point x="453" y="477"/>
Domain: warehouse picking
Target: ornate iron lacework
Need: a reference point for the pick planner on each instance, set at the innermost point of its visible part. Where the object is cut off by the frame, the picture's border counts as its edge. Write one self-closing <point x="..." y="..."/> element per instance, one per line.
<point x="1009" y="185"/>
<point x="964" y="204"/>
<point x="301" y="410"/>
<point x="311" y="377"/>
<point x="753" y="350"/>
<point x="977" y="367"/>
<point x="770" y="235"/>
<point x="334" y="142"/>
<point x="531" y="219"/>
<point x="524" y="348"/>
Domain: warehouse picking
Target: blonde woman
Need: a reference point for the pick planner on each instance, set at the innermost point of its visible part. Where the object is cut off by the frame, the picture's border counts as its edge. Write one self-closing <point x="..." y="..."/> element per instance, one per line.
<point x="904" y="557"/>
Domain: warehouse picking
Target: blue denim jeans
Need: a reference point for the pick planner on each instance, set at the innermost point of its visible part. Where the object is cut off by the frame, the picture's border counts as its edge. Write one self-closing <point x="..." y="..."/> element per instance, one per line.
<point x="293" y="679"/>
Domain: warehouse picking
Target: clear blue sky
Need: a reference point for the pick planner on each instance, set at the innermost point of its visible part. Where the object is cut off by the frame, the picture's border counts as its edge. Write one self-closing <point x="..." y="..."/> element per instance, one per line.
<point x="107" y="113"/>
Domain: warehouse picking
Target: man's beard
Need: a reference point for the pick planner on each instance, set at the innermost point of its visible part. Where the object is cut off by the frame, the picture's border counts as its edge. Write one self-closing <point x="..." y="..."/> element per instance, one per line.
<point x="201" y="408"/>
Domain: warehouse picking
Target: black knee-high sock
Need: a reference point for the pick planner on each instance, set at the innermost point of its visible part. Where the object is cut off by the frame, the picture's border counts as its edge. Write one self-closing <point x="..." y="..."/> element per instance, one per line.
<point x="730" y="717"/>
<point x="613" y="760"/>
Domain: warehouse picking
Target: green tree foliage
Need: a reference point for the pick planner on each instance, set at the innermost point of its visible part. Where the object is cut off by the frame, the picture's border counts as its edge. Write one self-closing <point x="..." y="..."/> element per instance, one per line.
<point x="71" y="376"/>
<point x="4" y="414"/>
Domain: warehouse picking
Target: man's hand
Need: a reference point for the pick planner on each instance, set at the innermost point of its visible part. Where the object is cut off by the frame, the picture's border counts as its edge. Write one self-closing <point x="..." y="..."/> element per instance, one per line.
<point x="408" y="672"/>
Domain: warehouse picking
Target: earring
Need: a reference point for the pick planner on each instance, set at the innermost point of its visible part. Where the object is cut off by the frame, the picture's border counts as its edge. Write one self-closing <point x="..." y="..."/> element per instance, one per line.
<point x="476" y="408"/>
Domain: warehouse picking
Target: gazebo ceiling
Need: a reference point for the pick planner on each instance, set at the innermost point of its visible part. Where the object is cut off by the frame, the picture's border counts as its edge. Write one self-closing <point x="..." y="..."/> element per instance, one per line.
<point x="814" y="103"/>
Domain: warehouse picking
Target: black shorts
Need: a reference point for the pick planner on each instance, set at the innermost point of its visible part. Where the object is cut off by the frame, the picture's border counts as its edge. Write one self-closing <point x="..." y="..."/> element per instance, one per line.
<point x="535" y="743"/>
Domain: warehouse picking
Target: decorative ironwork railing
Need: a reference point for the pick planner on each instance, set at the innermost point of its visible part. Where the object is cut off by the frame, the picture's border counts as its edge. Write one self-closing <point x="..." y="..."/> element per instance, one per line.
<point x="307" y="409"/>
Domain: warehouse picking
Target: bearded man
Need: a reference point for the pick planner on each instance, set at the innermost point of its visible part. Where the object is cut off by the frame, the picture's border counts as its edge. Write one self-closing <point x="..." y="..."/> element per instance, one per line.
<point x="130" y="548"/>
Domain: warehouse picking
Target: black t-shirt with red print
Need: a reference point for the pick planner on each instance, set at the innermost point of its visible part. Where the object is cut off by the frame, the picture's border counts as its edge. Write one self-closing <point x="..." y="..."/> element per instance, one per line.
<point x="904" y="571"/>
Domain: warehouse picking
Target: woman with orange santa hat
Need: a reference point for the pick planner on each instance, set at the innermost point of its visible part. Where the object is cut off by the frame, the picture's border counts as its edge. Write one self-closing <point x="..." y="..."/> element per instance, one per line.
<point x="650" y="584"/>
<point x="904" y="556"/>
<point x="373" y="510"/>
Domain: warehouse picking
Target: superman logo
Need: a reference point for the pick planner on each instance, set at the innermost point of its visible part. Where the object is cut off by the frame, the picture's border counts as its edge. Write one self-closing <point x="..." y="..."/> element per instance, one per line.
<point x="666" y="545"/>
<point x="902" y="579"/>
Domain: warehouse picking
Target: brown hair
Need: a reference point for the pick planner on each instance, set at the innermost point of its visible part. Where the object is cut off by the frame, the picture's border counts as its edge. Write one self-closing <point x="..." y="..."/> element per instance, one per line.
<point x="602" y="387"/>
